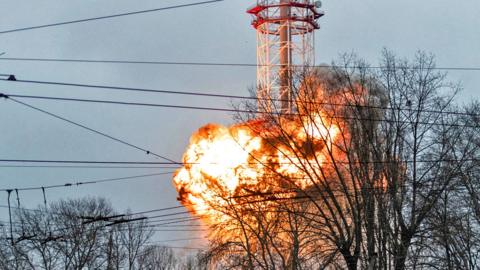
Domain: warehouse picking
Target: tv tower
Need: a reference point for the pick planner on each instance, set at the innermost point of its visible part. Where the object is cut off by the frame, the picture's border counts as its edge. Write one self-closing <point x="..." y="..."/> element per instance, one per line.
<point x="285" y="39"/>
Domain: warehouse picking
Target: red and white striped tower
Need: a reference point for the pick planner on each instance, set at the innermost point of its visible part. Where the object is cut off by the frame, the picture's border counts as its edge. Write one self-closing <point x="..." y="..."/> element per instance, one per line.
<point x="285" y="39"/>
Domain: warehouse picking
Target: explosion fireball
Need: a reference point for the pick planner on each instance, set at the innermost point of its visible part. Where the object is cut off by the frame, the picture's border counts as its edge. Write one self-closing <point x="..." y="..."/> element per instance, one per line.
<point x="222" y="163"/>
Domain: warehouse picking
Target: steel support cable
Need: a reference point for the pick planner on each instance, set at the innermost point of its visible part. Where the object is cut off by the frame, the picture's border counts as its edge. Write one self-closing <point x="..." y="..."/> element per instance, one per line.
<point x="270" y="197"/>
<point x="150" y="225"/>
<point x="86" y="162"/>
<point x="160" y="224"/>
<point x="98" y="226"/>
<point x="219" y="64"/>
<point x="192" y="93"/>
<point x="87" y="167"/>
<point x="186" y="248"/>
<point x="9" y="96"/>
<point x="267" y="197"/>
<point x="163" y="210"/>
<point x="20" y="225"/>
<point x="43" y="188"/>
<point x="134" y="89"/>
<point x="186" y="230"/>
<point x="174" y="224"/>
<point x="125" y="215"/>
<point x="89" y="182"/>
<point x="198" y="217"/>
<point x="177" y="239"/>
<point x="41" y="161"/>
<point x="102" y="226"/>
<point x="160" y="241"/>
<point x="107" y="17"/>
<point x="293" y="199"/>
<point x="181" y="226"/>
<point x="148" y="152"/>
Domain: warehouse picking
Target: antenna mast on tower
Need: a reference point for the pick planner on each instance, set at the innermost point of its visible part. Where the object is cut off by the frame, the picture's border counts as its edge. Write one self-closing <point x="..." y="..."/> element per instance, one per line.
<point x="285" y="39"/>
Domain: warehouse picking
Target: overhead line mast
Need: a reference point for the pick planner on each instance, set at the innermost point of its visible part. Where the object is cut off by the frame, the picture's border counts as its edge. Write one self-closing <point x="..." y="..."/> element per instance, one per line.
<point x="285" y="38"/>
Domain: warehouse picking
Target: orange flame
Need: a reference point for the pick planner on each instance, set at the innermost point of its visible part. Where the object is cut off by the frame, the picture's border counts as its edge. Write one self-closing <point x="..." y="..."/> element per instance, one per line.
<point x="224" y="162"/>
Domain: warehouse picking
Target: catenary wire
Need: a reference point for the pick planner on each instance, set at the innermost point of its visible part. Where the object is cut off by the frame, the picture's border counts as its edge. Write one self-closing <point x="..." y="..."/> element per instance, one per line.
<point x="294" y="199"/>
<point x="9" y="96"/>
<point x="250" y="163"/>
<point x="186" y="219"/>
<point x="88" y="182"/>
<point x="86" y="162"/>
<point x="78" y="184"/>
<point x="220" y="64"/>
<point x="177" y="240"/>
<point x="264" y="194"/>
<point x="148" y="152"/>
<point x="87" y="167"/>
<point x="107" y="17"/>
<point x="197" y="93"/>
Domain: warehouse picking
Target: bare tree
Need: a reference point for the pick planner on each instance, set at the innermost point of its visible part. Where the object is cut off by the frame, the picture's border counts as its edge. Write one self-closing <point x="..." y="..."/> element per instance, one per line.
<point x="158" y="258"/>
<point x="72" y="234"/>
<point x="133" y="239"/>
<point x="421" y="147"/>
<point x="374" y="158"/>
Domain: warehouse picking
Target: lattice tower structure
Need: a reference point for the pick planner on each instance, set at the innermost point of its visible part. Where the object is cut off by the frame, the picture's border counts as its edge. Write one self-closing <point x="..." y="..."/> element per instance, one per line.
<point x="285" y="41"/>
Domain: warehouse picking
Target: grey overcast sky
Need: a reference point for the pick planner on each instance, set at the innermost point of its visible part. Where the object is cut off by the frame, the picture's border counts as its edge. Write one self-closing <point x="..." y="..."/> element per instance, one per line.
<point x="218" y="32"/>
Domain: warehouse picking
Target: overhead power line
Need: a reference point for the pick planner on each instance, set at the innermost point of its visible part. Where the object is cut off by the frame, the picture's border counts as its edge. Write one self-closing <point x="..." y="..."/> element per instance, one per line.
<point x="186" y="248"/>
<point x="207" y="64"/>
<point x="148" y="152"/>
<point x="85" y="162"/>
<point x="42" y="161"/>
<point x="198" y="217"/>
<point x="88" y="182"/>
<point x="181" y="225"/>
<point x="269" y="197"/>
<point x="178" y="239"/>
<point x="159" y="223"/>
<point x="125" y="215"/>
<point x="12" y="96"/>
<point x="139" y="213"/>
<point x="135" y="89"/>
<point x="266" y="197"/>
<point x="9" y="96"/>
<point x="198" y="93"/>
<point x="107" y="17"/>
<point x="156" y="210"/>
<point x="181" y="219"/>
<point x="87" y="167"/>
